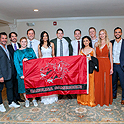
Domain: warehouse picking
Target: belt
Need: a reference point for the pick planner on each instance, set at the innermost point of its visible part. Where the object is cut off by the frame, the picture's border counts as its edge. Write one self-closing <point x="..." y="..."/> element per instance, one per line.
<point x="117" y="63"/>
<point x="102" y="57"/>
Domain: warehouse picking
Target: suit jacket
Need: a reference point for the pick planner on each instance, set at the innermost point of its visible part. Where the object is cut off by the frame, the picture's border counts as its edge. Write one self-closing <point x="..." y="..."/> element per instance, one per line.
<point x="11" y="50"/>
<point x="69" y="45"/>
<point x="93" y="64"/>
<point x="6" y="65"/>
<point x="121" y="53"/>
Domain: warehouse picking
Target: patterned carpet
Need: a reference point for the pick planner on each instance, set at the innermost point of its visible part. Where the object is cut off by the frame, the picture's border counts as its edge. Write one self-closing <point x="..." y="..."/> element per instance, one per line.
<point x="65" y="111"/>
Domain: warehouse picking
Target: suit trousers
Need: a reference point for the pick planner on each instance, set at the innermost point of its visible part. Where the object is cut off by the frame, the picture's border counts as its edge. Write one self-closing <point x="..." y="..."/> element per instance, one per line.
<point x="16" y="95"/>
<point x="9" y="89"/>
<point x="117" y="72"/>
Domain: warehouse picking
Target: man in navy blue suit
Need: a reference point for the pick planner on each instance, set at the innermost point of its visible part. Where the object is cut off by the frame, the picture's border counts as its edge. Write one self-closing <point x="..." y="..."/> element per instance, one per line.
<point x="12" y="47"/>
<point x="118" y="62"/>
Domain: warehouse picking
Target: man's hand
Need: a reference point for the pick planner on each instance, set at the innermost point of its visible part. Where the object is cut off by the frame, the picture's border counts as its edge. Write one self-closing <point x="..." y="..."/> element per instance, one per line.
<point x="2" y="80"/>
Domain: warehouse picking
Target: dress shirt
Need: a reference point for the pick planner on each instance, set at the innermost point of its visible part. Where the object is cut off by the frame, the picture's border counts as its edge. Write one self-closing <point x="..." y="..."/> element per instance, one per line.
<point x="6" y="51"/>
<point x="35" y="44"/>
<point x="94" y="41"/>
<point x="116" y="51"/>
<point x="74" y="44"/>
<point x="65" y="47"/>
<point x="16" y="45"/>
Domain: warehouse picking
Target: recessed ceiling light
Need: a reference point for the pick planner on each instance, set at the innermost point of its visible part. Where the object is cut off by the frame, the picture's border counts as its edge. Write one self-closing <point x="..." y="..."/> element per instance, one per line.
<point x="36" y="10"/>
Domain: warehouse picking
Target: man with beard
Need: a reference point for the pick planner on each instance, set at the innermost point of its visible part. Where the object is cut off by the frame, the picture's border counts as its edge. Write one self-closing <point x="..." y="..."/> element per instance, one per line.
<point x="13" y="46"/>
<point x="118" y="62"/>
<point x="6" y="72"/>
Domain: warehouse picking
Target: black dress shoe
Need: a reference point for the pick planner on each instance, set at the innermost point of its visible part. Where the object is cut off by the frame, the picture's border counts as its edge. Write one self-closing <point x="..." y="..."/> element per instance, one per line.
<point x="17" y="102"/>
<point x="38" y="98"/>
<point x="21" y="100"/>
<point x="69" y="96"/>
<point x="60" y="97"/>
<point x="114" y="97"/>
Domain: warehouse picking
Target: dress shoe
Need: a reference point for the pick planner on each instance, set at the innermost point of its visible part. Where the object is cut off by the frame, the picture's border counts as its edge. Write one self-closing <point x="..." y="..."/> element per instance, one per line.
<point x="122" y="102"/>
<point x="17" y="102"/>
<point x="75" y="96"/>
<point x="69" y="96"/>
<point x="114" y="97"/>
<point x="60" y="97"/>
<point x="38" y="98"/>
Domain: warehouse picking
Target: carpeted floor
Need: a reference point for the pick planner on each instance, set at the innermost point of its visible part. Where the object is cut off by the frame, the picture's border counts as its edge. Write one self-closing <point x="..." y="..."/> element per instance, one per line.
<point x="65" y="111"/>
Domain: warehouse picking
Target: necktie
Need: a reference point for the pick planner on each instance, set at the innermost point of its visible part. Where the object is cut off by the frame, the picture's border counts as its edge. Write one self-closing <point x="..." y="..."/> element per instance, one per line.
<point x="78" y="46"/>
<point x="61" y="48"/>
<point x="15" y="47"/>
<point x="30" y="44"/>
<point x="7" y="53"/>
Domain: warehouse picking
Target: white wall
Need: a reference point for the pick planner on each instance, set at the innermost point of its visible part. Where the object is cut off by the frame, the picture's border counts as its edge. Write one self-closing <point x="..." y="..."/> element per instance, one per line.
<point x="5" y="28"/>
<point x="70" y="24"/>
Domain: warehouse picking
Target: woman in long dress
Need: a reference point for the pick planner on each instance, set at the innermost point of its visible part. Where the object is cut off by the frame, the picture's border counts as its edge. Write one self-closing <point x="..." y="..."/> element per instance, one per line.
<point x="103" y="78"/>
<point x="20" y="55"/>
<point x="87" y="50"/>
<point x="45" y="50"/>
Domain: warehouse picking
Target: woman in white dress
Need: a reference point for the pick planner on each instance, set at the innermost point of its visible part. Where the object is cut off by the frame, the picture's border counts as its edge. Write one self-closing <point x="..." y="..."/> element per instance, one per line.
<point x="45" y="50"/>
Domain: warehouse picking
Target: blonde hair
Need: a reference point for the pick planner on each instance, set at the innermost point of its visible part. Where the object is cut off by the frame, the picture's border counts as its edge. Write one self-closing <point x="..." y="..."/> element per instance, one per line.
<point x="23" y="38"/>
<point x="106" y="38"/>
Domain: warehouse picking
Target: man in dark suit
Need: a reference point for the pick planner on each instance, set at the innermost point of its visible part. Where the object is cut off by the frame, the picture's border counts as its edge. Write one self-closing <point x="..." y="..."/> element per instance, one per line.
<point x="62" y="42"/>
<point x="118" y="62"/>
<point x="62" y="47"/>
<point x="6" y="72"/>
<point x="13" y="46"/>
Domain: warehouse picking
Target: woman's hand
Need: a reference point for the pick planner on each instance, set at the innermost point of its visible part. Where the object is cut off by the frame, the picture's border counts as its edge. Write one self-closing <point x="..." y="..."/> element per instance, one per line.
<point x="111" y="71"/>
<point x="22" y="77"/>
<point x="89" y="58"/>
<point x="25" y="59"/>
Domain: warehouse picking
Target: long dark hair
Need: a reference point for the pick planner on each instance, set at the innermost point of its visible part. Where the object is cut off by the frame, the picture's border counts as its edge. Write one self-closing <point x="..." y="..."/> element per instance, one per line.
<point x="41" y="39"/>
<point x="90" y="44"/>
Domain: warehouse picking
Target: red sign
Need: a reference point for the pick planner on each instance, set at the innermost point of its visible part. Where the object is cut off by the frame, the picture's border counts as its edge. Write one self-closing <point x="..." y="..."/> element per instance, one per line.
<point x="57" y="75"/>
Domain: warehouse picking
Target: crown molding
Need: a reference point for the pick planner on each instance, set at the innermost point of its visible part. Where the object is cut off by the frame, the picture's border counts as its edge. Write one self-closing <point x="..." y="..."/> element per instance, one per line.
<point x="6" y="19"/>
<point x="69" y="18"/>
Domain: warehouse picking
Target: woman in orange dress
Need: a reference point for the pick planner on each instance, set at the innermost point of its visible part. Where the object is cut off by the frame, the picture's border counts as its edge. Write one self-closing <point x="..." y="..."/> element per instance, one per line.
<point x="87" y="99"/>
<point x="103" y="78"/>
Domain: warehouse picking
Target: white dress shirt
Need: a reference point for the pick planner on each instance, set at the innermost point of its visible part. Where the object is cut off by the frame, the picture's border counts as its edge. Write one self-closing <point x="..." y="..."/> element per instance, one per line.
<point x="6" y="51"/>
<point x="74" y="44"/>
<point x="116" y="51"/>
<point x="94" y="41"/>
<point x="35" y="44"/>
<point x="65" y="47"/>
<point x="16" y="45"/>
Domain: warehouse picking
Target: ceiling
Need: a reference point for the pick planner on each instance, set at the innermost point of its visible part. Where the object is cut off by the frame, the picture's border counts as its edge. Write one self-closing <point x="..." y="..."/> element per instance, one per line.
<point x="23" y="9"/>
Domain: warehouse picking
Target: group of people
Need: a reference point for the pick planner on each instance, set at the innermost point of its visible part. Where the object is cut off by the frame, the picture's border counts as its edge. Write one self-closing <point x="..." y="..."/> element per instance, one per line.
<point x="107" y="56"/>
